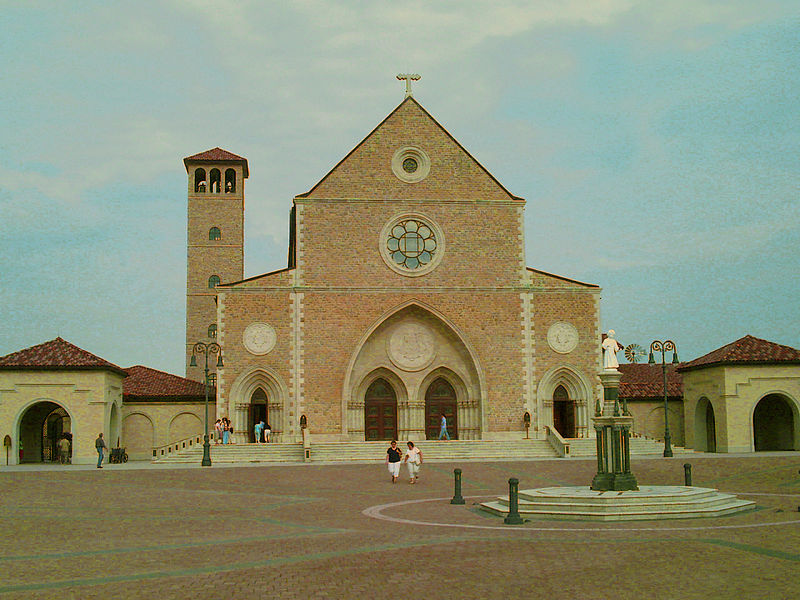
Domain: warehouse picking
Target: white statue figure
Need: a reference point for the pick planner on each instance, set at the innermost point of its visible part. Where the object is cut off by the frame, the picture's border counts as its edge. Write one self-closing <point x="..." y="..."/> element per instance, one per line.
<point x="610" y="349"/>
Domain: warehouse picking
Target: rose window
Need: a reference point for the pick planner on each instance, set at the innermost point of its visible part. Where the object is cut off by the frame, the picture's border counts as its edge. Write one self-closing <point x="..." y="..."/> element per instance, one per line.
<point x="411" y="244"/>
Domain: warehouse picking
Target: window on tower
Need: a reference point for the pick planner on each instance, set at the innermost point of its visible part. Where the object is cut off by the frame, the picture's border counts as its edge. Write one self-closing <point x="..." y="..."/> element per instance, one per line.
<point x="200" y="180"/>
<point x="215" y="181"/>
<point x="213" y="281"/>
<point x="214" y="233"/>
<point x="230" y="181"/>
<point x="212" y="330"/>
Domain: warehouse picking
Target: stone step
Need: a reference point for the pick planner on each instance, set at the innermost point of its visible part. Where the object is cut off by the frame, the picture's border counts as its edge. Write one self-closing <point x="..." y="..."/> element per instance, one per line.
<point x="649" y="502"/>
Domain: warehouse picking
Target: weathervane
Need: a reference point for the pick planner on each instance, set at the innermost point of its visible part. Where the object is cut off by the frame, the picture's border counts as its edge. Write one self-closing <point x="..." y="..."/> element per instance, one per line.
<point x="408" y="78"/>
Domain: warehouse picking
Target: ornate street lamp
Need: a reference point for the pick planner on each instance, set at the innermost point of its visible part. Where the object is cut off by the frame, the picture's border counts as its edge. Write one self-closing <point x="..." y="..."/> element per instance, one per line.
<point x="205" y="349"/>
<point x="663" y="347"/>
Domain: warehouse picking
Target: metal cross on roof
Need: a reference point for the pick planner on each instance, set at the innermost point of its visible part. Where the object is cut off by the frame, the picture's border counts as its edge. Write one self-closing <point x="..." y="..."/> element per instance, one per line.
<point x="408" y="77"/>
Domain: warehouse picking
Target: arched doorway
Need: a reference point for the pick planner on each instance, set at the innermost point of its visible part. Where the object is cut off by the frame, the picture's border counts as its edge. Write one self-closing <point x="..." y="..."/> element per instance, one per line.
<point x="440" y="398"/>
<point x="258" y="412"/>
<point x="773" y="424"/>
<point x="563" y="412"/>
<point x="705" y="427"/>
<point x="40" y="429"/>
<point x="380" y="411"/>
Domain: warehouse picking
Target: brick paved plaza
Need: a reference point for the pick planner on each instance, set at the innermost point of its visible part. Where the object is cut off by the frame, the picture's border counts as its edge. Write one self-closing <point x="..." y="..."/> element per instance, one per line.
<point x="138" y="531"/>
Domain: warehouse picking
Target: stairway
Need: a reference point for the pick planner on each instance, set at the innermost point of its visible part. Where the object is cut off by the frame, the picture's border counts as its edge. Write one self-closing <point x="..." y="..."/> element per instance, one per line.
<point x="587" y="448"/>
<point x="432" y="450"/>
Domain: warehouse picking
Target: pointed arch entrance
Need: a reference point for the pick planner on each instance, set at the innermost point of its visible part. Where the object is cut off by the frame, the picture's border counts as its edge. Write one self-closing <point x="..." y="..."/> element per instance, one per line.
<point x="564" y="396"/>
<point x="380" y="411"/>
<point x="41" y="427"/>
<point x="409" y="348"/>
<point x="773" y="424"/>
<point x="563" y="412"/>
<point x="258" y="412"/>
<point x="256" y="393"/>
<point x="440" y="399"/>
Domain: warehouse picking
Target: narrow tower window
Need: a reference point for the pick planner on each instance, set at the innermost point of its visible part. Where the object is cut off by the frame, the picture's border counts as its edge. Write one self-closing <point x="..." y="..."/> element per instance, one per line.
<point x="200" y="180"/>
<point x="214" y="233"/>
<point x="230" y="181"/>
<point x="213" y="281"/>
<point x="212" y="330"/>
<point x="215" y="181"/>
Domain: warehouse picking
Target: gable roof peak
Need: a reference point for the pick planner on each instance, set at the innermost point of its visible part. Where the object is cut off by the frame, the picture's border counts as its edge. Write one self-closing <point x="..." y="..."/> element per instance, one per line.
<point x="57" y="354"/>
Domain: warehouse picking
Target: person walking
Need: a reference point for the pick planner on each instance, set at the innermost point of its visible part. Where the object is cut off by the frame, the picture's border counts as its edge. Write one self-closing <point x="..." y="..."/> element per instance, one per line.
<point x="226" y="430"/>
<point x="413" y="459"/>
<point x="218" y="431"/>
<point x="257" y="431"/>
<point x="267" y="432"/>
<point x="393" y="456"/>
<point x="443" y="430"/>
<point x="100" y="445"/>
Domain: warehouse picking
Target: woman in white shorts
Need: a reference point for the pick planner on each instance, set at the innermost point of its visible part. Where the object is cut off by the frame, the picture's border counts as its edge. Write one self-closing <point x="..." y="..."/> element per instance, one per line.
<point x="393" y="456"/>
<point x="267" y="433"/>
<point x="413" y="459"/>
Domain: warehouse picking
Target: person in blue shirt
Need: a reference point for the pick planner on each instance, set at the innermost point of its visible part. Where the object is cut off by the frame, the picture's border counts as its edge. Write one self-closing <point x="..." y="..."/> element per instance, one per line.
<point x="443" y="430"/>
<point x="257" y="430"/>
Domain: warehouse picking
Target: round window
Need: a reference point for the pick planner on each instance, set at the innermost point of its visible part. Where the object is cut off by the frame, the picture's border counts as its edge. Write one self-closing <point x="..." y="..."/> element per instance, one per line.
<point x="410" y="165"/>
<point x="411" y="245"/>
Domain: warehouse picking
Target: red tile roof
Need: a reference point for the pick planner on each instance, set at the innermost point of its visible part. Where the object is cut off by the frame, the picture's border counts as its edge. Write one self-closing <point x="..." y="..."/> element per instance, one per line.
<point x="646" y="381"/>
<point x="217" y="155"/>
<point x="746" y="350"/>
<point x="57" y="354"/>
<point x="146" y="383"/>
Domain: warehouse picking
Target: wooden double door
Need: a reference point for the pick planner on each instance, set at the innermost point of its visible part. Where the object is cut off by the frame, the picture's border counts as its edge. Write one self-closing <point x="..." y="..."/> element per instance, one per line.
<point x="440" y="398"/>
<point x="380" y="411"/>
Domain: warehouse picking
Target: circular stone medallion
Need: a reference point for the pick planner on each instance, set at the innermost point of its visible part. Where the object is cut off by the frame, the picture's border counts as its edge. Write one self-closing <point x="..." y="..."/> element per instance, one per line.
<point x="259" y="338"/>
<point x="411" y="347"/>
<point x="562" y="337"/>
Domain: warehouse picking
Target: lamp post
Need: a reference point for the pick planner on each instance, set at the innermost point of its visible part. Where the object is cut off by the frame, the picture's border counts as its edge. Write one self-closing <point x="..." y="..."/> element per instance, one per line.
<point x="205" y="349"/>
<point x="664" y="347"/>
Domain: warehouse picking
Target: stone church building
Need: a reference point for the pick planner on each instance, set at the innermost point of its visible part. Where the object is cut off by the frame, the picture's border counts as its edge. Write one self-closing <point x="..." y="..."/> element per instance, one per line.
<point x="406" y="296"/>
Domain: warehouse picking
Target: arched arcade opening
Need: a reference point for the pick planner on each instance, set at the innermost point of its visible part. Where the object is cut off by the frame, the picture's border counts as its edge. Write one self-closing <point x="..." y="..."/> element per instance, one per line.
<point x="774" y="424"/>
<point x="41" y="427"/>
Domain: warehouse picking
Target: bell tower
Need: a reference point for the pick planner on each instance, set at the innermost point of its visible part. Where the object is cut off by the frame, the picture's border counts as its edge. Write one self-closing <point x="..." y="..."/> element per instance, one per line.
<point x="215" y="241"/>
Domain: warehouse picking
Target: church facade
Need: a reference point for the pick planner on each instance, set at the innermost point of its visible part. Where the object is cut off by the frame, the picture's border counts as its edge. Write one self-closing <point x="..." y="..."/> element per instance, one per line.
<point x="406" y="296"/>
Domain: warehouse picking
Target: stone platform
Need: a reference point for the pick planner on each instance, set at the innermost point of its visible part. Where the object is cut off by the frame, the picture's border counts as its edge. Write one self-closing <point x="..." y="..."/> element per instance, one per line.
<point x="649" y="502"/>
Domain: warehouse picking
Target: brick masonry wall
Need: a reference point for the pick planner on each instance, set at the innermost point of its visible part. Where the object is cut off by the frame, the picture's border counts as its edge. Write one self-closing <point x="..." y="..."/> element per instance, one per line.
<point x="366" y="172"/>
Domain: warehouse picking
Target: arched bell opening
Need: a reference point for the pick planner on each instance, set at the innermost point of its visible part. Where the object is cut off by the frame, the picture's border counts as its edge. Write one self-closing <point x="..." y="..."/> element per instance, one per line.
<point x="230" y="181"/>
<point x="200" y="183"/>
<point x="215" y="181"/>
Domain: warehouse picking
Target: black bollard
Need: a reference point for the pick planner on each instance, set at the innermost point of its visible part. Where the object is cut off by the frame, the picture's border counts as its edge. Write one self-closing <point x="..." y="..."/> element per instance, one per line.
<point x="687" y="475"/>
<point x="513" y="517"/>
<point x="457" y="497"/>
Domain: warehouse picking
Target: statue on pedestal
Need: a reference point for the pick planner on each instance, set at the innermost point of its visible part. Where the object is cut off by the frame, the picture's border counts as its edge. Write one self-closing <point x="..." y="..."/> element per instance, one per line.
<point x="610" y="349"/>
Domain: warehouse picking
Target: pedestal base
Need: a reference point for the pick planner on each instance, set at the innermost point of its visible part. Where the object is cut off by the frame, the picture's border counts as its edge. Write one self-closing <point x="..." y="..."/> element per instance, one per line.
<point x="618" y="482"/>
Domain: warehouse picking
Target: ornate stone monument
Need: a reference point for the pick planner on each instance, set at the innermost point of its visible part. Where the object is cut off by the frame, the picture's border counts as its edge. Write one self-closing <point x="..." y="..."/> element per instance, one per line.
<point x="613" y="428"/>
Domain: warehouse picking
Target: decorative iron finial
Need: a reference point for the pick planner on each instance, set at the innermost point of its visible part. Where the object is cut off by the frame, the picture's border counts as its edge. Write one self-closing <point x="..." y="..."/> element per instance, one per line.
<point x="408" y="78"/>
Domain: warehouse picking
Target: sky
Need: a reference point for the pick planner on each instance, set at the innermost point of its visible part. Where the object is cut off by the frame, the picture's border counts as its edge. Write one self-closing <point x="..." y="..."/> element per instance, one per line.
<point x="656" y="143"/>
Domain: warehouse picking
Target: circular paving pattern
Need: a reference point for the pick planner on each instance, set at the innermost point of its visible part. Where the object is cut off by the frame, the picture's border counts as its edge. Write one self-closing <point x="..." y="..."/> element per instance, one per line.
<point x="377" y="512"/>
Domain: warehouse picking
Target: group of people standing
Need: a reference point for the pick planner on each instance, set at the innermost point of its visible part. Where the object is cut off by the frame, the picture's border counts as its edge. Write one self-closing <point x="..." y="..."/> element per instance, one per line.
<point x="413" y="460"/>
<point x="223" y="431"/>
<point x="264" y="429"/>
